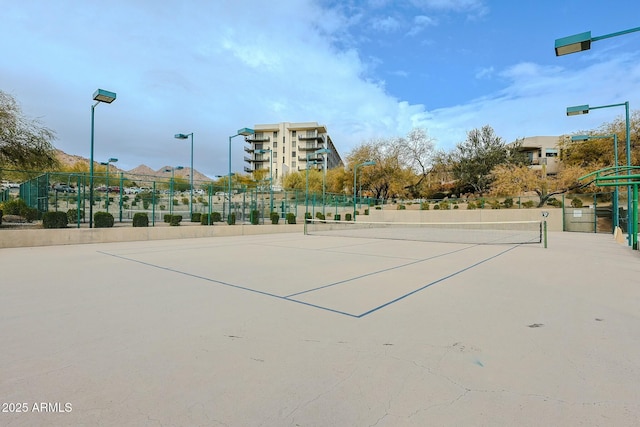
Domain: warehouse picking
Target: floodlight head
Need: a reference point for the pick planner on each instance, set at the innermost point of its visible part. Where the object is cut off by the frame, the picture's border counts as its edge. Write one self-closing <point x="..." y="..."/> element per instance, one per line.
<point x="112" y="160"/>
<point x="179" y="168"/>
<point x="246" y="132"/>
<point x="104" y="163"/>
<point x="369" y="163"/>
<point x="263" y="150"/>
<point x="181" y="136"/>
<point x="102" y="95"/>
<point x="580" y="137"/>
<point x="323" y="151"/>
<point x="573" y="44"/>
<point x="577" y="110"/>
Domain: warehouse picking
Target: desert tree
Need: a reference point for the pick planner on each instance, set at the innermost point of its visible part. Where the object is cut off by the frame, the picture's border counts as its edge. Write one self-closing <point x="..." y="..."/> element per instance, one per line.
<point x="24" y="143"/>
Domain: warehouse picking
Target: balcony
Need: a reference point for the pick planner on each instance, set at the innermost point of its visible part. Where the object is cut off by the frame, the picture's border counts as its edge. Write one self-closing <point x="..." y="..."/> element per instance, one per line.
<point x="258" y="138"/>
<point x="309" y="147"/>
<point x="310" y="136"/>
<point x="249" y="149"/>
<point x="248" y="169"/>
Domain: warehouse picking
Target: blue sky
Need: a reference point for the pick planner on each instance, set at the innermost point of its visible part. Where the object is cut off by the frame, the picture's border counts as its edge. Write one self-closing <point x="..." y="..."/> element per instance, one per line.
<point x="365" y="69"/>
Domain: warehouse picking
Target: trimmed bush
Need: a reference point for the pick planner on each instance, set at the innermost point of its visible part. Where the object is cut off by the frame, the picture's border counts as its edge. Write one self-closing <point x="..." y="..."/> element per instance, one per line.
<point x="167" y="218"/>
<point x="216" y="217"/>
<point x="275" y="218"/>
<point x="554" y="202"/>
<point x="444" y="205"/>
<point x="401" y="207"/>
<point x="307" y="215"/>
<point x="20" y="207"/>
<point x="528" y="204"/>
<point x="336" y="217"/>
<point x="347" y="217"/>
<point x="72" y="215"/>
<point x="424" y="206"/>
<point x="494" y="204"/>
<point x="576" y="203"/>
<point x="232" y="219"/>
<point x="205" y="219"/>
<point x="291" y="218"/>
<point x="319" y="216"/>
<point x="508" y="202"/>
<point x="196" y="216"/>
<point x="140" y="219"/>
<point x="366" y="211"/>
<point x="436" y="207"/>
<point x="103" y="220"/>
<point x="175" y="220"/>
<point x="254" y="217"/>
<point x="54" y="220"/>
<point x="471" y="206"/>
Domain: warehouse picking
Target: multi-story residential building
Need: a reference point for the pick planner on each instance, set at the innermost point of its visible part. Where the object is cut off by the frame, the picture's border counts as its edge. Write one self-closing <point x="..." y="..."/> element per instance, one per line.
<point x="287" y="147"/>
<point x="542" y="152"/>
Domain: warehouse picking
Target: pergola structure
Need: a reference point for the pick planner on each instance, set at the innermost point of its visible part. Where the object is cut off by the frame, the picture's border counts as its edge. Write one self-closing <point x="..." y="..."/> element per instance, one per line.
<point x="621" y="176"/>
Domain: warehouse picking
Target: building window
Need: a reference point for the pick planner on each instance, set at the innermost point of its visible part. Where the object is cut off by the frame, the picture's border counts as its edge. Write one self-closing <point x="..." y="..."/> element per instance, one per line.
<point x="275" y="134"/>
<point x="293" y="133"/>
<point x="293" y="154"/>
<point x="293" y="144"/>
<point x="283" y="149"/>
<point x="275" y="144"/>
<point x="283" y="161"/>
<point x="293" y="164"/>
<point x="551" y="152"/>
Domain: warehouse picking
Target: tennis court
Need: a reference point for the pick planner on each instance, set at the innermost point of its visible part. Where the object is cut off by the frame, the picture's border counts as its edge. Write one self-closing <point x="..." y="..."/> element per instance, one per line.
<point x="292" y="329"/>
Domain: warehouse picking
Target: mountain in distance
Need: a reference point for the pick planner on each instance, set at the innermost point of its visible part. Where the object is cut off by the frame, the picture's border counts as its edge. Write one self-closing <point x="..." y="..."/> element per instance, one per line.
<point x="69" y="160"/>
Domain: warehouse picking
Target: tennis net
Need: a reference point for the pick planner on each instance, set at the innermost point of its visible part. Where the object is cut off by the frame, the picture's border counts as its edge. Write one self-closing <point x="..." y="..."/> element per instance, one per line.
<point x="507" y="232"/>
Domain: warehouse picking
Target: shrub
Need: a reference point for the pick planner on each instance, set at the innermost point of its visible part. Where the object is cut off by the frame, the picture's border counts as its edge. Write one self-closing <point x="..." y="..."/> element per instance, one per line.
<point x="528" y="204"/>
<point x="195" y="217"/>
<point x="20" y="207"/>
<point x="134" y="203"/>
<point x="336" y="217"/>
<point x="576" y="203"/>
<point x="444" y="205"/>
<point x="508" y="202"/>
<point x="205" y="219"/>
<point x="274" y="218"/>
<point x="254" y="217"/>
<point x="103" y="220"/>
<point x="378" y="208"/>
<point x="347" y="217"/>
<point x="175" y="220"/>
<point x="480" y="203"/>
<point x="424" y="206"/>
<point x="307" y="215"/>
<point x="185" y="200"/>
<point x="554" y="202"/>
<point x="167" y="218"/>
<point x="232" y="219"/>
<point x="319" y="216"/>
<point x="291" y="218"/>
<point x="140" y="219"/>
<point x="366" y="211"/>
<point x="471" y="206"/>
<point x="174" y="202"/>
<point x="162" y="207"/>
<point x="72" y="215"/>
<point x="494" y="204"/>
<point x="401" y="207"/>
<point x="54" y="220"/>
<point x="216" y="217"/>
<point x="456" y="206"/>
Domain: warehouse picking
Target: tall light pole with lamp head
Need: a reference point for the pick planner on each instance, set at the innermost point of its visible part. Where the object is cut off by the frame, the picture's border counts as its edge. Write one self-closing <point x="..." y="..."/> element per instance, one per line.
<point x="173" y="171"/>
<point x="615" y="219"/>
<point x="270" y="151"/>
<point x="244" y="132"/>
<point x="185" y="136"/>
<point x="584" y="109"/>
<point x="111" y="160"/>
<point x="99" y="96"/>
<point x="581" y="42"/>
<point x="326" y="152"/>
<point x="306" y="193"/>
<point x="355" y="180"/>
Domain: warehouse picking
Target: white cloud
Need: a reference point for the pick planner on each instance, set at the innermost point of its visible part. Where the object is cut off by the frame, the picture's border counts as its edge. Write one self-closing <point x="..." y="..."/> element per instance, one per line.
<point x="421" y="22"/>
<point x="485" y="73"/>
<point x="388" y="24"/>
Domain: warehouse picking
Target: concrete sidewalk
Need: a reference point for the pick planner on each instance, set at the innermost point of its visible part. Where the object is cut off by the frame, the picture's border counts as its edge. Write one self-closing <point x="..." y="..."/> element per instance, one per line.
<point x="252" y="331"/>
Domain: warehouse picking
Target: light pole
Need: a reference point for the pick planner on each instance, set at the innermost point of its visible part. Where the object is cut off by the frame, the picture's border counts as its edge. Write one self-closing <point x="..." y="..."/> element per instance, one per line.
<point x="306" y="192"/>
<point x="185" y="136"/>
<point x="263" y="151"/>
<point x="584" y="109"/>
<point x="582" y="41"/>
<point x="173" y="171"/>
<point x="244" y="132"/>
<point x="326" y="152"/>
<point x="355" y="180"/>
<point x="99" y="96"/>
<point x="616" y="221"/>
<point x="111" y="160"/>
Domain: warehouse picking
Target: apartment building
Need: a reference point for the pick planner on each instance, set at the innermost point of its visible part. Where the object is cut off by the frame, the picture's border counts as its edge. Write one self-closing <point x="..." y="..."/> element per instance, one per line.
<point x="287" y="147"/>
<point x="542" y="152"/>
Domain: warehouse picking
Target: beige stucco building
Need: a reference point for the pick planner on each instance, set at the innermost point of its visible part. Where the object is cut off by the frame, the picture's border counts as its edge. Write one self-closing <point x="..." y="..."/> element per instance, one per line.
<point x="288" y="146"/>
<point x="542" y="152"/>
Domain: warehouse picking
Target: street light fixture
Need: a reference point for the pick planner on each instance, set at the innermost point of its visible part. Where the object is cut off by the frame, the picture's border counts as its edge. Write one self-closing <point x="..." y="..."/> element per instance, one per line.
<point x="355" y="180"/>
<point x="581" y="42"/>
<point x="270" y="151"/>
<point x="244" y="132"/>
<point x="616" y="220"/>
<point x="173" y="171"/>
<point x="326" y="152"/>
<point x="584" y="109"/>
<point x="185" y="136"/>
<point x="306" y="193"/>
<point x="99" y="96"/>
<point x="111" y="160"/>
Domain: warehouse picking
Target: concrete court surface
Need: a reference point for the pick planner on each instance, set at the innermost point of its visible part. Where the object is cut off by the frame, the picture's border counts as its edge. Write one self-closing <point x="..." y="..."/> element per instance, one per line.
<point x="294" y="330"/>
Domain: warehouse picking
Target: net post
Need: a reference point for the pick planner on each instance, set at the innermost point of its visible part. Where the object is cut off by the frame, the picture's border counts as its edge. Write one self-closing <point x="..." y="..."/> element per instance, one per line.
<point x="545" y="214"/>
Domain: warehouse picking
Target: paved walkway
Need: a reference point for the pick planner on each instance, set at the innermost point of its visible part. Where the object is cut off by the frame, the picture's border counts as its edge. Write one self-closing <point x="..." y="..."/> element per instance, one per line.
<point x="297" y="330"/>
